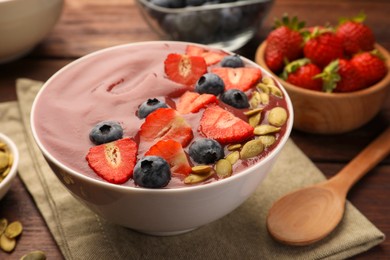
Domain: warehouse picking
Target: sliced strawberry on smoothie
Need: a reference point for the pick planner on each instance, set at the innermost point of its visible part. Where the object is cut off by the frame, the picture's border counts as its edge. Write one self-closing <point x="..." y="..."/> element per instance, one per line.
<point x="173" y="153"/>
<point x="164" y="124"/>
<point x="238" y="78"/>
<point x="184" y="69"/>
<point x="114" y="161"/>
<point x="223" y="126"/>
<point x="211" y="57"/>
<point x="192" y="102"/>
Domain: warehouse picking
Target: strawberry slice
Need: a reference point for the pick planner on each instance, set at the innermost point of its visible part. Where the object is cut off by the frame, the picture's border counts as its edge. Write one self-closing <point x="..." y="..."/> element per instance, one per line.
<point x="173" y="153"/>
<point x="114" y="161"/>
<point x="211" y="57"/>
<point x="221" y="125"/>
<point x="238" y="78"/>
<point x="184" y="69"/>
<point x="192" y="102"/>
<point x="164" y="124"/>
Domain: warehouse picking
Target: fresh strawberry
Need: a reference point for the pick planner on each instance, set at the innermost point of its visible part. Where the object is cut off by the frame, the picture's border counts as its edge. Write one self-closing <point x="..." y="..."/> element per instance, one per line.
<point x="173" y="153"/>
<point x="323" y="46"/>
<point x="283" y="43"/>
<point x="164" y="124"/>
<point x="114" y="161"/>
<point x="301" y="73"/>
<point x="184" y="69"/>
<point x="341" y="76"/>
<point x="238" y="78"/>
<point x="370" y="66"/>
<point x="211" y="57"/>
<point x="192" y="102"/>
<point x="221" y="125"/>
<point x="355" y="35"/>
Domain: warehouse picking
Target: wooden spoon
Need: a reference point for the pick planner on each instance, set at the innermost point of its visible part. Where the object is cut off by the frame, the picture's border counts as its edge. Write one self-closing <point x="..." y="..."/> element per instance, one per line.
<point x="308" y="215"/>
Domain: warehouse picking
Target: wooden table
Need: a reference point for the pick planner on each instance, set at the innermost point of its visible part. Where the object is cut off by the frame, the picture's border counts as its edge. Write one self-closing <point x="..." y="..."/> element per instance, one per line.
<point x="89" y="25"/>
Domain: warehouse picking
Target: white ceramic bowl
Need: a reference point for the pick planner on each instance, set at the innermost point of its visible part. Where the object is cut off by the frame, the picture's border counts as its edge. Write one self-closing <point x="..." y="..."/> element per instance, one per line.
<point x="5" y="185"/>
<point x="23" y="24"/>
<point x="151" y="211"/>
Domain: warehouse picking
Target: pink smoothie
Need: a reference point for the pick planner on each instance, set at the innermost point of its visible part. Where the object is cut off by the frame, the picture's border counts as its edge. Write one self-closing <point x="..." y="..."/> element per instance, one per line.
<point x="107" y="85"/>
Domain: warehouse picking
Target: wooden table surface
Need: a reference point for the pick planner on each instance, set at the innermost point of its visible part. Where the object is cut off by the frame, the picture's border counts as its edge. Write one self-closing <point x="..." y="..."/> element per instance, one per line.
<point x="89" y="25"/>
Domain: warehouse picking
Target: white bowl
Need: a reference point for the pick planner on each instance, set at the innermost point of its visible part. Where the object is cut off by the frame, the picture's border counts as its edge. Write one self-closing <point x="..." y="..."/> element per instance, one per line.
<point x="5" y="185"/>
<point x="23" y="24"/>
<point x="152" y="211"/>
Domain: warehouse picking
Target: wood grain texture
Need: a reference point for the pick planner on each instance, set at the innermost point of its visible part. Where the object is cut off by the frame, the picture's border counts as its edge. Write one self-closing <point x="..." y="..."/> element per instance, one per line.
<point x="89" y="25"/>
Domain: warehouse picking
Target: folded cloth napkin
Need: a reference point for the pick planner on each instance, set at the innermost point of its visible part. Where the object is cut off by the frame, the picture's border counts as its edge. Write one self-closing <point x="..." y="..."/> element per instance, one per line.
<point x="242" y="234"/>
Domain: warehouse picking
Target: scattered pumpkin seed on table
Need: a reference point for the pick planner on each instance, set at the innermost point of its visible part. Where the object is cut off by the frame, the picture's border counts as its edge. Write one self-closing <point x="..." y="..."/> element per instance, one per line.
<point x="8" y="234"/>
<point x="34" y="255"/>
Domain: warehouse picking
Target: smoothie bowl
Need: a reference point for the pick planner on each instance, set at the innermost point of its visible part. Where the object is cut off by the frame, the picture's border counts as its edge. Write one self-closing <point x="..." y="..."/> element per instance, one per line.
<point x="161" y="137"/>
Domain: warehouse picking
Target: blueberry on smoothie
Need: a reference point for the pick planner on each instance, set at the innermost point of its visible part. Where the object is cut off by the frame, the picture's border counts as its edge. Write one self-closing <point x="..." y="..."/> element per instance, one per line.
<point x="152" y="172"/>
<point x="210" y="83"/>
<point x="105" y="132"/>
<point x="232" y="61"/>
<point x="206" y="151"/>
<point x="235" y="98"/>
<point x="149" y="106"/>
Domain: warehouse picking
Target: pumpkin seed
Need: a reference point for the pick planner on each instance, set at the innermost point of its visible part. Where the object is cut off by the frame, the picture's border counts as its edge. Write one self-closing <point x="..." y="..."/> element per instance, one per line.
<point x="14" y="229"/>
<point x="254" y="120"/>
<point x="277" y="116"/>
<point x="6" y="243"/>
<point x="263" y="88"/>
<point x="255" y="100"/>
<point x="3" y="225"/>
<point x="276" y="91"/>
<point x="201" y="169"/>
<point x="196" y="178"/>
<point x="233" y="147"/>
<point x="265" y="129"/>
<point x="268" y="81"/>
<point x="267" y="140"/>
<point x="253" y="111"/>
<point x="223" y="168"/>
<point x="4" y="160"/>
<point x="34" y="255"/>
<point x="251" y="149"/>
<point x="233" y="157"/>
<point x="264" y="97"/>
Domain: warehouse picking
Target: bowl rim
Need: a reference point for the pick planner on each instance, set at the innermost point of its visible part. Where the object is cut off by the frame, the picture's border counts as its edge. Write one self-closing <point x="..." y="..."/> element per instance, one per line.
<point x="14" y="168"/>
<point x="259" y="59"/>
<point x="275" y="151"/>
<point x="202" y="7"/>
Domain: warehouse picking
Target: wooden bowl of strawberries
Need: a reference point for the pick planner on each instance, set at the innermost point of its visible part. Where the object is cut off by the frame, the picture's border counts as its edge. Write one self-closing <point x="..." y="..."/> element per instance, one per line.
<point x="337" y="77"/>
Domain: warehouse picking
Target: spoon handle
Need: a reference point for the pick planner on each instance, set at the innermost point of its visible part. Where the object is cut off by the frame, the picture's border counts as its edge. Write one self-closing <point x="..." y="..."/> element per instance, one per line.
<point x="375" y="152"/>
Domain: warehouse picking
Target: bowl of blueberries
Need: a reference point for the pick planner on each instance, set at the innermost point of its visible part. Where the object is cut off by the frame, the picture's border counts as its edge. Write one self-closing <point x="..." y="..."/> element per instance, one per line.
<point x="227" y="24"/>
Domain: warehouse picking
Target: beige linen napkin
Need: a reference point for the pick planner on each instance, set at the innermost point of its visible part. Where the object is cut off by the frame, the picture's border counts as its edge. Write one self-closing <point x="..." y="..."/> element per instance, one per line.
<point x="241" y="234"/>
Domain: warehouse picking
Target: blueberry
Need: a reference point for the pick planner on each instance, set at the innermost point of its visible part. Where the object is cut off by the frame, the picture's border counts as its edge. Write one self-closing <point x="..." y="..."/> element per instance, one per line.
<point x="230" y="19"/>
<point x="206" y="151"/>
<point x="232" y="61"/>
<point x="236" y="98"/>
<point x="105" y="132"/>
<point x="210" y="83"/>
<point x="161" y="3"/>
<point x="152" y="172"/>
<point x="195" y="2"/>
<point x="149" y="106"/>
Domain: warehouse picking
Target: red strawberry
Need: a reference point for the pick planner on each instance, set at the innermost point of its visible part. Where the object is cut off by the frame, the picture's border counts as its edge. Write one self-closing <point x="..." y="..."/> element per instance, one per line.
<point x="355" y="35"/>
<point x="164" y="124"/>
<point x="341" y="76"/>
<point x="283" y="43"/>
<point x="221" y="125"/>
<point x="211" y="57"/>
<point x="238" y="78"/>
<point x="322" y="47"/>
<point x="173" y="153"/>
<point x="114" y="161"/>
<point x="184" y="69"/>
<point x="370" y="66"/>
<point x="192" y="102"/>
<point x="301" y="73"/>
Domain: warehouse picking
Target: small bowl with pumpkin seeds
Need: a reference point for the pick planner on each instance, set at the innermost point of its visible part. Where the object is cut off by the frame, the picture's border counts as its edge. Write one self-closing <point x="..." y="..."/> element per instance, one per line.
<point x="9" y="158"/>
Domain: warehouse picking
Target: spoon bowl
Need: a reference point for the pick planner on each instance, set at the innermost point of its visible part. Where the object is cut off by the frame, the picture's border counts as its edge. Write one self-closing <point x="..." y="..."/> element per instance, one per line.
<point x="308" y="215"/>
